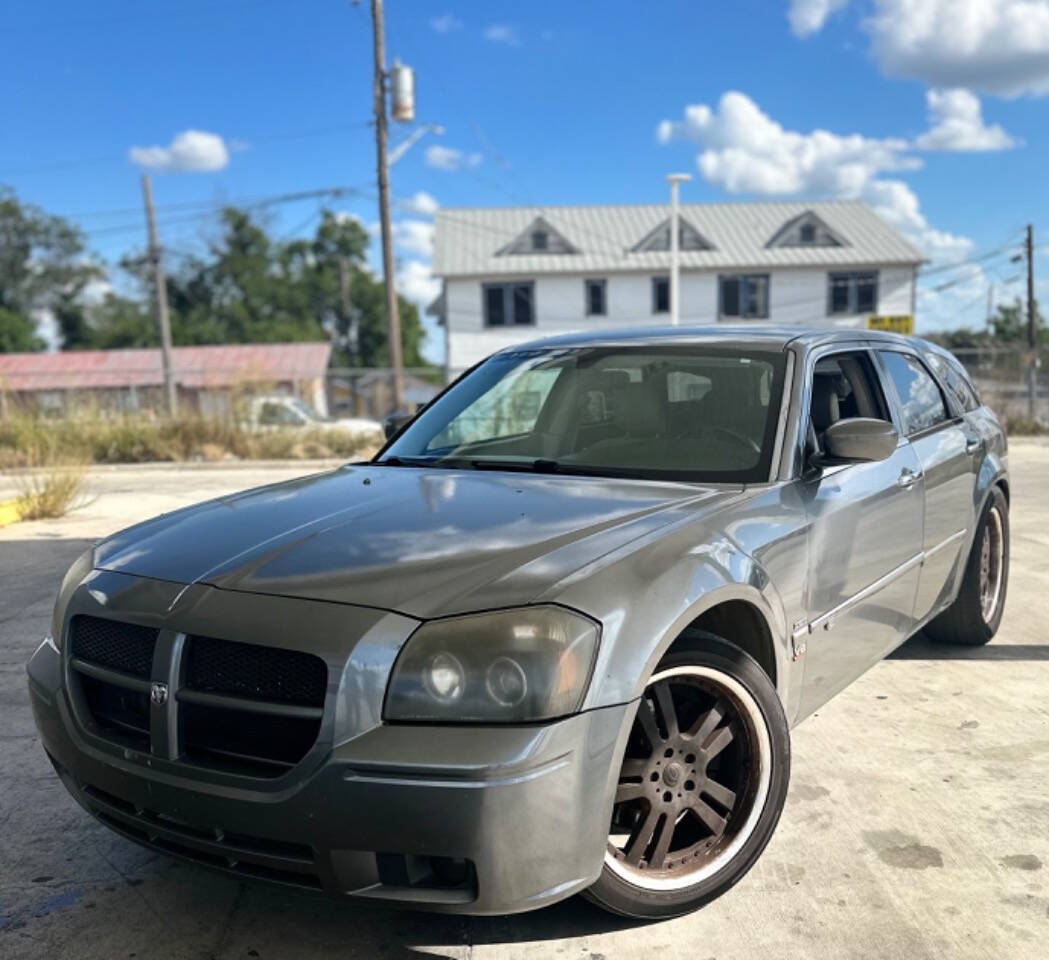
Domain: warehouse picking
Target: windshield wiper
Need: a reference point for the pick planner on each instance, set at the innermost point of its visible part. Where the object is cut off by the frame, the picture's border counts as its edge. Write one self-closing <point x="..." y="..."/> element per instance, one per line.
<point x="394" y="461"/>
<point x="539" y="465"/>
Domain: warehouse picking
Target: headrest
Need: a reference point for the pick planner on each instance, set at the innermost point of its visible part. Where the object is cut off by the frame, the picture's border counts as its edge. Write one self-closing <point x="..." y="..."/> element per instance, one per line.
<point x="824" y="402"/>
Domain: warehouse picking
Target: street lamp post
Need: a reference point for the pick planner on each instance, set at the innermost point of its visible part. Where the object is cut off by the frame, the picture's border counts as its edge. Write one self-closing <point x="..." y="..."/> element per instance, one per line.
<point x="675" y="180"/>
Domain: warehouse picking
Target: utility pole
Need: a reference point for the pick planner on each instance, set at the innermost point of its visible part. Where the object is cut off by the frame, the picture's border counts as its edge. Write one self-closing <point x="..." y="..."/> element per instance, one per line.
<point x="393" y="317"/>
<point x="160" y="298"/>
<point x="1032" y="333"/>
<point x="675" y="180"/>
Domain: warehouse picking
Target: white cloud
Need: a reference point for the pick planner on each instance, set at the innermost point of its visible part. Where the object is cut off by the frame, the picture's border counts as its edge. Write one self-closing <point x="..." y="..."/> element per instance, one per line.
<point x="422" y="203"/>
<point x="957" y="124"/>
<point x="808" y="16"/>
<point x="996" y="46"/>
<point x="502" y="33"/>
<point x="450" y="159"/>
<point x="962" y="304"/>
<point x="446" y="23"/>
<point x="415" y="282"/>
<point x="743" y="150"/>
<point x="189" y="151"/>
<point x="746" y="151"/>
<point x="414" y="236"/>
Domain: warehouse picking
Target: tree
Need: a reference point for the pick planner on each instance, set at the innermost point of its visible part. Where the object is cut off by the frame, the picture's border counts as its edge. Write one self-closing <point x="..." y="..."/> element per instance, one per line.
<point x="18" y="333"/>
<point x="43" y="266"/>
<point x="1008" y="325"/>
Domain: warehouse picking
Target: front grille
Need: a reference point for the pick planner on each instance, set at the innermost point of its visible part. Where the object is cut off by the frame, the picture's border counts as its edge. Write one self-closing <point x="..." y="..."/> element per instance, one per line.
<point x="126" y="647"/>
<point x="259" y="673"/>
<point x="239" y="707"/>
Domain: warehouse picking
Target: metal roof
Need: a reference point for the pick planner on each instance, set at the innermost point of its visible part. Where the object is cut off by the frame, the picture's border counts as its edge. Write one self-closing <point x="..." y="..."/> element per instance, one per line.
<point x="467" y="238"/>
<point x="194" y="367"/>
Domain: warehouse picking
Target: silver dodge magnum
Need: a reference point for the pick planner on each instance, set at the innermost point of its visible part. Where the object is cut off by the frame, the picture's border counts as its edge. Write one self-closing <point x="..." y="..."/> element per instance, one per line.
<point x="551" y="639"/>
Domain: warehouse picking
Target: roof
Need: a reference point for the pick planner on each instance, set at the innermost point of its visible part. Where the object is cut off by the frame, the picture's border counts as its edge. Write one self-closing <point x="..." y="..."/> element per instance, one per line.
<point x="758" y="336"/>
<point x="467" y="238"/>
<point x="194" y="367"/>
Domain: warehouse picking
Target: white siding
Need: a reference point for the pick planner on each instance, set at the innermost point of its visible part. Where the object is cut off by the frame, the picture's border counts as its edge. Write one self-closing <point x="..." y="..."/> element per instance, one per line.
<point x="796" y="295"/>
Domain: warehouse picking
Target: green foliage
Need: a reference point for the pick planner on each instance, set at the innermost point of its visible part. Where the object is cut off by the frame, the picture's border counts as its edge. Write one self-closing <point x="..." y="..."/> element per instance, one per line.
<point x="18" y="333"/>
<point x="42" y="266"/>
<point x="248" y="288"/>
<point x="1007" y="326"/>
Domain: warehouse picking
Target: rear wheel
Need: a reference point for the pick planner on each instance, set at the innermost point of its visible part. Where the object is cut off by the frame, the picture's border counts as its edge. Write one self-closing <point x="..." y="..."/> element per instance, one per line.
<point x="702" y="784"/>
<point x="976" y="613"/>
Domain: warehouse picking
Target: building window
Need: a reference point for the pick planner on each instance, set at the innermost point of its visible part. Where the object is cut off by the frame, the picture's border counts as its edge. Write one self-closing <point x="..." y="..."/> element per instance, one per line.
<point x="744" y="296"/>
<point x="661" y="294"/>
<point x="807" y="234"/>
<point x="539" y="240"/>
<point x="596" y="303"/>
<point x="509" y="304"/>
<point x="855" y="292"/>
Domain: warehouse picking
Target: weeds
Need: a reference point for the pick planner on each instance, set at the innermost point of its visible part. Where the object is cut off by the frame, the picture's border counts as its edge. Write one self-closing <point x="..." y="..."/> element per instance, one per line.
<point x="49" y="492"/>
<point x="32" y="441"/>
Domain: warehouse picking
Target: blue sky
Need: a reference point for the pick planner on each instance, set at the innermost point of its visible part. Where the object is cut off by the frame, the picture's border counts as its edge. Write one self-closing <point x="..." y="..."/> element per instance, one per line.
<point x="945" y="132"/>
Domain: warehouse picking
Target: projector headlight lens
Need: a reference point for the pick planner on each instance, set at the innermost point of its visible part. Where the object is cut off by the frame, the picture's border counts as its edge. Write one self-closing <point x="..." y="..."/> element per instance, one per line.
<point x="512" y="666"/>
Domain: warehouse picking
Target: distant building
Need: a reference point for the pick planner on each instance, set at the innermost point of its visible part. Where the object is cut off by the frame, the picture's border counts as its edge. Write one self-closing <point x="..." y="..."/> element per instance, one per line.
<point x="514" y="274"/>
<point x="128" y="381"/>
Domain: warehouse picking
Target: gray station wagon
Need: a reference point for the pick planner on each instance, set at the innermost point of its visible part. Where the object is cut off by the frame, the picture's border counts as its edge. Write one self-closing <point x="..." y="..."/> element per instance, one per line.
<point x="551" y="639"/>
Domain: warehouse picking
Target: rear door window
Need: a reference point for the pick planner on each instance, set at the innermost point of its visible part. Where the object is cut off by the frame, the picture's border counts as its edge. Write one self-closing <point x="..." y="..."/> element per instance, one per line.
<point x="922" y="404"/>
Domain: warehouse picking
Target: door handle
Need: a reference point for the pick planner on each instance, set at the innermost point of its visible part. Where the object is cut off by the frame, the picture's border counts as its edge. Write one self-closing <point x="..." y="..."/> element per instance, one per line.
<point x="907" y="478"/>
<point x="972" y="444"/>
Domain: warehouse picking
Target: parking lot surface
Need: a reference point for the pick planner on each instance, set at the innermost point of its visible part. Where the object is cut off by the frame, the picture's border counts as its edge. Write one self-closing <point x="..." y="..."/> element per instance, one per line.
<point x="917" y="823"/>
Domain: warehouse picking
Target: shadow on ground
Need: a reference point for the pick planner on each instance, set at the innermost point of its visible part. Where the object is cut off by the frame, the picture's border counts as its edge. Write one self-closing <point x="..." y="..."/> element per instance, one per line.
<point x="920" y="647"/>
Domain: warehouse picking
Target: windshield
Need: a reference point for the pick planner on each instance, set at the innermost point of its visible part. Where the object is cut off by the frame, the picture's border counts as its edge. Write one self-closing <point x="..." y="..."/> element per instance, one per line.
<point x="674" y="412"/>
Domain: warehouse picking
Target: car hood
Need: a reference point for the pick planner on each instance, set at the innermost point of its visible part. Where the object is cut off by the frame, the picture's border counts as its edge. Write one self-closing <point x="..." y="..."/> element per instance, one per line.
<point x="424" y="542"/>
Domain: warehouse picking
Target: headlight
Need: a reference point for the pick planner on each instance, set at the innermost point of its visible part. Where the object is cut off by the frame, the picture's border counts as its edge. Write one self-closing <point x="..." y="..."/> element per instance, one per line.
<point x="82" y="566"/>
<point x="511" y="666"/>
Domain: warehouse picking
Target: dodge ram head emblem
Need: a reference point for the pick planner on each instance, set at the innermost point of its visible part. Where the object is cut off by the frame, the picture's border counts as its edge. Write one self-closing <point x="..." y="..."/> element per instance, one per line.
<point x="158" y="694"/>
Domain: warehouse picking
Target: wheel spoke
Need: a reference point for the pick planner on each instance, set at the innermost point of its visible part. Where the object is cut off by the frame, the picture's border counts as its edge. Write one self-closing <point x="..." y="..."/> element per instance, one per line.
<point x="666" y="834"/>
<point x="705" y="725"/>
<point x="646" y="716"/>
<point x="709" y="816"/>
<point x="629" y="791"/>
<point x="718" y="793"/>
<point x="632" y="767"/>
<point x="666" y="708"/>
<point x="718" y="742"/>
<point x="640" y="839"/>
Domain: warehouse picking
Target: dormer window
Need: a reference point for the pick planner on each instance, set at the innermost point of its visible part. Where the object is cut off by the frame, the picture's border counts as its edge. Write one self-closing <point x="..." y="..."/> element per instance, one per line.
<point x="688" y="238"/>
<point x="539" y="238"/>
<point x="806" y="230"/>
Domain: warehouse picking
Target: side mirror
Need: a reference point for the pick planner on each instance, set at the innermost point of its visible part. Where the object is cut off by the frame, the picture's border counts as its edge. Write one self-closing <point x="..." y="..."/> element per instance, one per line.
<point x="393" y="423"/>
<point x="857" y="440"/>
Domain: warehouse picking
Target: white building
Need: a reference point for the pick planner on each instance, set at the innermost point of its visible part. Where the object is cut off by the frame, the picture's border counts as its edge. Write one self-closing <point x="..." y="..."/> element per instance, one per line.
<point x="514" y="274"/>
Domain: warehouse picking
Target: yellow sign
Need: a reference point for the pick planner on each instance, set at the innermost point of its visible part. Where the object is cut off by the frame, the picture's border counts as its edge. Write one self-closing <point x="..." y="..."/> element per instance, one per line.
<point x="904" y="323"/>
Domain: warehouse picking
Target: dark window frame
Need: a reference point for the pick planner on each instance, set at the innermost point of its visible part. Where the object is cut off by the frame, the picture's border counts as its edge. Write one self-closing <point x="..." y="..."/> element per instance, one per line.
<point x="540" y="240"/>
<point x="743" y="279"/>
<point x="852" y="278"/>
<point x="509" y="289"/>
<point x="656" y="283"/>
<point x="595" y="283"/>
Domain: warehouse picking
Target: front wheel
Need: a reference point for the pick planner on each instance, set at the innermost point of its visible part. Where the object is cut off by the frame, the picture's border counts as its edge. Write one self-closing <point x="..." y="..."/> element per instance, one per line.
<point x="703" y="782"/>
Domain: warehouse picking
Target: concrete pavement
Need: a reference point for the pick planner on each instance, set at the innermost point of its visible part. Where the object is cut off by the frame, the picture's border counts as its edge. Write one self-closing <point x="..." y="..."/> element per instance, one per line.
<point x="917" y="823"/>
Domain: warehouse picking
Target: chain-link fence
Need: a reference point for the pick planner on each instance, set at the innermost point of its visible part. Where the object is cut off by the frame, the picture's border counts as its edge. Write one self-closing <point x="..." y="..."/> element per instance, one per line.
<point x="1004" y="378"/>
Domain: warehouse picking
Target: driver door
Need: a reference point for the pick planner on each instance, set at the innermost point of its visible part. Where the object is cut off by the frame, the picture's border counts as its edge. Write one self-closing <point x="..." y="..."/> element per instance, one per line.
<point x="865" y="535"/>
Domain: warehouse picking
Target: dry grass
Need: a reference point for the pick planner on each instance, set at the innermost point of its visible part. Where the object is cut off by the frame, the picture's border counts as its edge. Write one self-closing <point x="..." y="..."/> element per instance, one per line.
<point x="30" y="441"/>
<point x="50" y="491"/>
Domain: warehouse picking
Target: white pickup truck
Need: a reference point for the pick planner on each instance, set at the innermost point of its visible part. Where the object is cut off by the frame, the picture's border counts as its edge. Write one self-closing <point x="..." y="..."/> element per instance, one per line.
<point x="274" y="411"/>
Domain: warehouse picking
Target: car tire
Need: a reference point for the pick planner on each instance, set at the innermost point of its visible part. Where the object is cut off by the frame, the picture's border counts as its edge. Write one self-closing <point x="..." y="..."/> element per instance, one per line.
<point x="974" y="616"/>
<point x="717" y="778"/>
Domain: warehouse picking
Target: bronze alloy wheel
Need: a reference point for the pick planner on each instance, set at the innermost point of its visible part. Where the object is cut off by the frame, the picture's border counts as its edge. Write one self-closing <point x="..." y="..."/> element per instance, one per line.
<point x="992" y="552"/>
<point x="694" y="779"/>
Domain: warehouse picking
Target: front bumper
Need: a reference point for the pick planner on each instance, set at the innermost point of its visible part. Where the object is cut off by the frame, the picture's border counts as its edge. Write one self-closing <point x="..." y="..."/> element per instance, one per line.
<point x="462" y="819"/>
